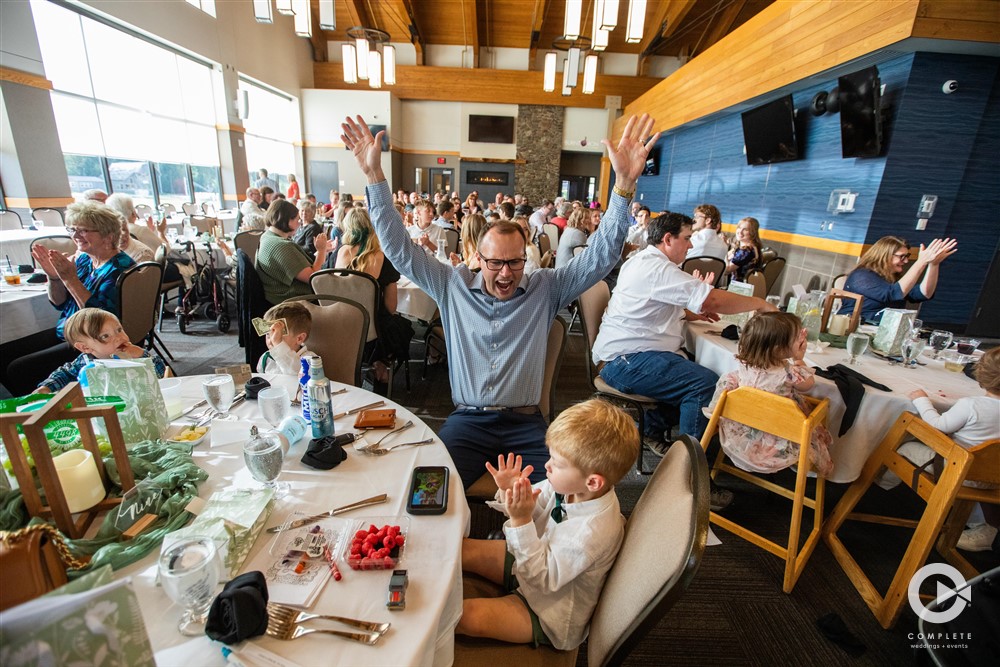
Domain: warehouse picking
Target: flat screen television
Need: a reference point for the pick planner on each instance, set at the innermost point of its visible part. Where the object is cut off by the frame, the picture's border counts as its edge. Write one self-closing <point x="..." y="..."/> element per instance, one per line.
<point x="491" y="129"/>
<point x="860" y="113"/>
<point x="385" y="137"/>
<point x="652" y="167"/>
<point x="769" y="132"/>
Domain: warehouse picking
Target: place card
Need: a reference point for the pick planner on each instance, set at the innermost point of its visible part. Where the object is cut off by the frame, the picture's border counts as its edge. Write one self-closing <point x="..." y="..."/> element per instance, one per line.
<point x="240" y="372"/>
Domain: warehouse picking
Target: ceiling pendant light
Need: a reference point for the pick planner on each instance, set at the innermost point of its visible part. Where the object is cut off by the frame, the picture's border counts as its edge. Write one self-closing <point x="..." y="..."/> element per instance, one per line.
<point x="549" y="76"/>
<point x="374" y="69"/>
<point x="566" y="90"/>
<point x="599" y="36"/>
<point x="636" y="21"/>
<point x="284" y="7"/>
<point x="608" y="15"/>
<point x="389" y="63"/>
<point x="361" y="44"/>
<point x="574" y="13"/>
<point x="573" y="62"/>
<point x="262" y="11"/>
<point x="350" y="63"/>
<point x="327" y="15"/>
<point x="589" y="74"/>
<point x="303" y="18"/>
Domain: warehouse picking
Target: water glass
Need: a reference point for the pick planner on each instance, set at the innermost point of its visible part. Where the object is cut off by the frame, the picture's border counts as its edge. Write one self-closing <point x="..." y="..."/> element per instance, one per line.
<point x="275" y="405"/>
<point x="189" y="573"/>
<point x="220" y="390"/>
<point x="912" y="347"/>
<point x="940" y="340"/>
<point x="916" y="327"/>
<point x="263" y="456"/>
<point x="857" y="343"/>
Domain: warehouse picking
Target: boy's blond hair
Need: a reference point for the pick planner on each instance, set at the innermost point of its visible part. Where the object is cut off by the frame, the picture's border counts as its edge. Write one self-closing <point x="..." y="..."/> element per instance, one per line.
<point x="596" y="437"/>
<point x="86" y="323"/>
<point x="296" y="316"/>
<point x="988" y="371"/>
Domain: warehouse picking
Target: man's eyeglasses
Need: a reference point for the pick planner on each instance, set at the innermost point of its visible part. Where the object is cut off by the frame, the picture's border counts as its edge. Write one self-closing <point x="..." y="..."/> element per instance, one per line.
<point x="497" y="264"/>
<point x="262" y="326"/>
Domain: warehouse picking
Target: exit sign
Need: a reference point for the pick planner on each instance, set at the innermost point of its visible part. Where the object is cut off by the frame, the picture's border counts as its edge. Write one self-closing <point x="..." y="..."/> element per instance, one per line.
<point x="441" y="160"/>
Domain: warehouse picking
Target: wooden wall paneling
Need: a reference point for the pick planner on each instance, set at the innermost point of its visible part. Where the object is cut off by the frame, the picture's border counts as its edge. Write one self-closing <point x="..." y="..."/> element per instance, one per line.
<point x="455" y="84"/>
<point x="665" y="21"/>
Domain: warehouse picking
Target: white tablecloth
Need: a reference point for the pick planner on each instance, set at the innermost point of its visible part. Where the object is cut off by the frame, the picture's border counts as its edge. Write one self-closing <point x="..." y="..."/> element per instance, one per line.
<point x="878" y="410"/>
<point x="16" y="243"/>
<point x="414" y="302"/>
<point x="24" y="310"/>
<point x="422" y="634"/>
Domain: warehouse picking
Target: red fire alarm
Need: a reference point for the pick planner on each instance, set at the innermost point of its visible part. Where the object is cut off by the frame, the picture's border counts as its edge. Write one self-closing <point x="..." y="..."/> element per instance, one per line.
<point x="441" y="160"/>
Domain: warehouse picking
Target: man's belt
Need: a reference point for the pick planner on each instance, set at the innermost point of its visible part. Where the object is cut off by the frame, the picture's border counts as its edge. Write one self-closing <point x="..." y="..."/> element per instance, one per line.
<point x="521" y="410"/>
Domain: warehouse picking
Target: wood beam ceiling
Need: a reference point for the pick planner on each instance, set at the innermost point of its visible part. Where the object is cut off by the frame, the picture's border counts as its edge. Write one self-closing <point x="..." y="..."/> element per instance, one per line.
<point x="416" y="36"/>
<point x="470" y="29"/>
<point x="666" y="20"/>
<point x="538" y="19"/>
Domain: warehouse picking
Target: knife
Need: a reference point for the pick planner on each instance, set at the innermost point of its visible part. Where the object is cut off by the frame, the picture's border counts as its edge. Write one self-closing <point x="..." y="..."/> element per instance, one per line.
<point x="298" y="523"/>
<point x="194" y="407"/>
<point x="376" y="404"/>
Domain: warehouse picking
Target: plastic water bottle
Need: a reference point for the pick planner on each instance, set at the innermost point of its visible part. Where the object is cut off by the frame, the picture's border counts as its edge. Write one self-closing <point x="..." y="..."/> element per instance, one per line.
<point x="304" y="393"/>
<point x="291" y="429"/>
<point x="320" y="402"/>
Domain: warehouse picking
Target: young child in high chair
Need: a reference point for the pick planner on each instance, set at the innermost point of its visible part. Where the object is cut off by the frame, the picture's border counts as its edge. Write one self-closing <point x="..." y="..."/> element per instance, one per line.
<point x="562" y="535"/>
<point x="290" y="327"/>
<point x="770" y="352"/>
<point x="971" y="421"/>
<point x="97" y="334"/>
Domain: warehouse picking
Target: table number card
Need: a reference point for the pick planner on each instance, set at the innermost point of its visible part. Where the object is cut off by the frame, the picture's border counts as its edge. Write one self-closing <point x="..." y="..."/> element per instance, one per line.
<point x="739" y="319"/>
<point x="241" y="373"/>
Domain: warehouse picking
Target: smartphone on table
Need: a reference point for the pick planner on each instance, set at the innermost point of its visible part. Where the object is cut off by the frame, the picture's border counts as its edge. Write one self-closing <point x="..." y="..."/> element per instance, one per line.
<point x="428" y="492"/>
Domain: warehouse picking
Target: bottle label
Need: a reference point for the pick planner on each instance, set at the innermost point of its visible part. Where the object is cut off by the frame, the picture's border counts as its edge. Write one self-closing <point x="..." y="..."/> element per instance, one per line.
<point x="321" y="415"/>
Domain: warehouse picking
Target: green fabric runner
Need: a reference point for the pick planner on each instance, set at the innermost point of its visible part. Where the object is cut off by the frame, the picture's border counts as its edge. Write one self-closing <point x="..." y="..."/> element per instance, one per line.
<point x="169" y="467"/>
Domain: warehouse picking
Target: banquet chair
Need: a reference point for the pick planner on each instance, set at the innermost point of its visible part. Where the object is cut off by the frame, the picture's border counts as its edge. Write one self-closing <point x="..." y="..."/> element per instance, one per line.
<point x="337" y="334"/>
<point x="143" y="211"/>
<point x="139" y="300"/>
<point x="831" y="304"/>
<point x="10" y="220"/>
<point x="544" y="244"/>
<point x="485" y="488"/>
<point x="577" y="249"/>
<point x="772" y="271"/>
<point x="705" y="264"/>
<point x="452" y="239"/>
<point x="639" y="590"/>
<point x="248" y="242"/>
<point x="759" y="282"/>
<point x="49" y="217"/>
<point x="363" y="288"/>
<point x="167" y="210"/>
<point x="779" y="416"/>
<point x="203" y="224"/>
<point x="767" y="255"/>
<point x="546" y="260"/>
<point x="948" y="504"/>
<point x="63" y="244"/>
<point x="552" y="231"/>
<point x="209" y="209"/>
<point x="190" y="208"/>
<point x="591" y="306"/>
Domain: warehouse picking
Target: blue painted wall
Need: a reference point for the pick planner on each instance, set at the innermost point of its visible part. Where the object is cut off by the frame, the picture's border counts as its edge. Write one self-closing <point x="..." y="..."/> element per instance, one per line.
<point x="935" y="144"/>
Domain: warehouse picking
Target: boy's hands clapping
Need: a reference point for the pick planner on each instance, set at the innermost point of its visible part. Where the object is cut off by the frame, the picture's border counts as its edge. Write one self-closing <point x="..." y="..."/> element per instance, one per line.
<point x="519" y="501"/>
<point x="508" y="471"/>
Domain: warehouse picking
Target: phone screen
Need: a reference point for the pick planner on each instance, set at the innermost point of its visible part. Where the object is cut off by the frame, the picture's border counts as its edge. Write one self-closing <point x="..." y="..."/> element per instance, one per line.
<point x="428" y="488"/>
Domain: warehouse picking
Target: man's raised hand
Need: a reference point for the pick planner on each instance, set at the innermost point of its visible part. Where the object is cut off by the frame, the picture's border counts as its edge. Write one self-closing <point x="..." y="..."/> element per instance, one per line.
<point x="367" y="149"/>
<point x="628" y="159"/>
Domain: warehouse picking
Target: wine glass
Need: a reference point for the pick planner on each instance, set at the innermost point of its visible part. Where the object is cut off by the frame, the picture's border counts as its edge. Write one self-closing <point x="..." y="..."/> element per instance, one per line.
<point x="916" y="327"/>
<point x="189" y="572"/>
<point x="966" y="346"/>
<point x="275" y="405"/>
<point x="940" y="340"/>
<point x="912" y="347"/>
<point x="857" y="343"/>
<point x="264" y="456"/>
<point x="220" y="390"/>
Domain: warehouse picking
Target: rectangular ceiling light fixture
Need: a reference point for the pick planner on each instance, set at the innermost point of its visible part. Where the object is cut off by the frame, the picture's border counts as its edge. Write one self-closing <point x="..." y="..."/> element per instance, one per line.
<point x="549" y="76"/>
<point x="327" y="15"/>
<point x="284" y="7"/>
<point x="589" y="74"/>
<point x="573" y="59"/>
<point x="361" y="44"/>
<point x="262" y="11"/>
<point x="598" y="37"/>
<point x="636" y="21"/>
<point x="566" y="90"/>
<point x="350" y="56"/>
<point x="609" y="15"/>
<point x="374" y="69"/>
<point x="303" y="18"/>
<point x="574" y="14"/>
<point x="389" y="62"/>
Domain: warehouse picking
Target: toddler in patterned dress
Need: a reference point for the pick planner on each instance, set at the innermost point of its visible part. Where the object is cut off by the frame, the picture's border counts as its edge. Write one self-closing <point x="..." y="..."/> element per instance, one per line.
<point x="771" y="349"/>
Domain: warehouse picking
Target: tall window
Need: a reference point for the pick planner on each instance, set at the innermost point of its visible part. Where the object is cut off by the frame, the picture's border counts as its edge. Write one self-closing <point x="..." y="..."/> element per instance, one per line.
<point x="271" y="130"/>
<point x="126" y="108"/>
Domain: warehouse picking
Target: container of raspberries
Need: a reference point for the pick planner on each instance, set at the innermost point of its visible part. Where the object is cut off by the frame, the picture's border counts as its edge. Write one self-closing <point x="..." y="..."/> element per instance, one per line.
<point x="376" y="543"/>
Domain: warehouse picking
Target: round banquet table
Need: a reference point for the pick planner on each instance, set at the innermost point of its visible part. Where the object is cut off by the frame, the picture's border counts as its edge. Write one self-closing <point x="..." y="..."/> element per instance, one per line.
<point x="25" y="310"/>
<point x="878" y="410"/>
<point x="423" y="633"/>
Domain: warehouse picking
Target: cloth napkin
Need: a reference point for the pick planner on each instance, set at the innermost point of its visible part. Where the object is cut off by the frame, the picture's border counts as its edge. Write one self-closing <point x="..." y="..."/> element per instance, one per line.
<point x="240" y="611"/>
<point x="850" y="384"/>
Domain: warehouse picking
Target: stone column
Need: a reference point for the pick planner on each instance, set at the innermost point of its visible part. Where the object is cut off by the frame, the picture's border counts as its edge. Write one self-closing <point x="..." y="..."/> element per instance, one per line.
<point x="539" y="145"/>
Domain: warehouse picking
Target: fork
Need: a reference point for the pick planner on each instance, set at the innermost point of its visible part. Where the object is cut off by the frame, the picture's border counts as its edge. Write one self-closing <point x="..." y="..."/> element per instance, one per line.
<point x="281" y="629"/>
<point x="282" y="614"/>
<point x="378" y="442"/>
<point x="382" y="451"/>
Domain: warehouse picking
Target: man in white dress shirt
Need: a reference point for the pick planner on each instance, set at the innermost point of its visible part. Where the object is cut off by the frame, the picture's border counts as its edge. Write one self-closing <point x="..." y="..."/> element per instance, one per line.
<point x="707" y="240"/>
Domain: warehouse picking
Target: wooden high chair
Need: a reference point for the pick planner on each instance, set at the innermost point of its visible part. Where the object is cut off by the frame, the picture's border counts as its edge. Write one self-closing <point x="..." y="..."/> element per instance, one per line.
<point x="782" y="417"/>
<point x="948" y="506"/>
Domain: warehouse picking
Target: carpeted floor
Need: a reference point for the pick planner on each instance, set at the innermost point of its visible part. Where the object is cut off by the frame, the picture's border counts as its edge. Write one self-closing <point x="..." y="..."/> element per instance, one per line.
<point x="734" y="613"/>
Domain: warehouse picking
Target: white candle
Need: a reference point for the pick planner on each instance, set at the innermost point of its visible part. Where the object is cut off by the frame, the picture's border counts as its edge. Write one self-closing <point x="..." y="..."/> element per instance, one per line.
<point x="81" y="483"/>
<point x="838" y="325"/>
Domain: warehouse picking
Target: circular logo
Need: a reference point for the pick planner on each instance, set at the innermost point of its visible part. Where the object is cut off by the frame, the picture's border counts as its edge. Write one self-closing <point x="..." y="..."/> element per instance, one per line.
<point x="942" y="594"/>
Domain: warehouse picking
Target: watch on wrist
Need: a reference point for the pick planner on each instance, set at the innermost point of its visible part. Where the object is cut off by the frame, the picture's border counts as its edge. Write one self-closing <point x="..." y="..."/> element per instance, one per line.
<point x="627" y="194"/>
